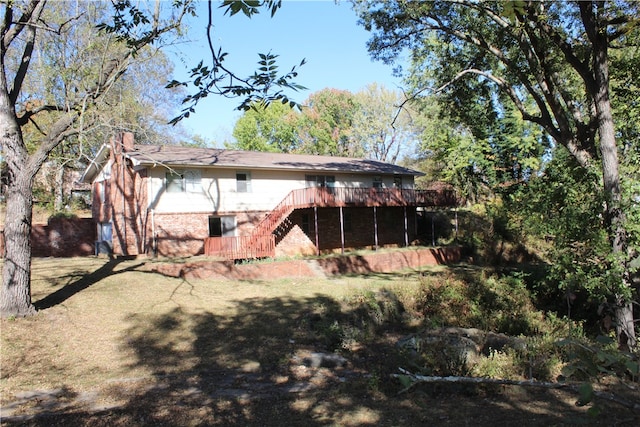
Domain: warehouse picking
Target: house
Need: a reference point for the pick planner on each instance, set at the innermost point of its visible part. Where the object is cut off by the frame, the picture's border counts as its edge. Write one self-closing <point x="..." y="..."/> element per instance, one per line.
<point x="183" y="201"/>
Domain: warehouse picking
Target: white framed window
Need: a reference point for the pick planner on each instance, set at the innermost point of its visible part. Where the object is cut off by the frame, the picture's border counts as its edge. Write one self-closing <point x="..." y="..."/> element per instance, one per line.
<point x="193" y="181"/>
<point x="243" y="182"/>
<point x="174" y="182"/>
<point x="377" y="182"/>
<point x="320" y="180"/>
<point x="189" y="181"/>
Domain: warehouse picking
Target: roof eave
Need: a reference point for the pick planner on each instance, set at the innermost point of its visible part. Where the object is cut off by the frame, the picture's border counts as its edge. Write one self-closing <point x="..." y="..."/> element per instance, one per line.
<point x="96" y="165"/>
<point x="240" y="166"/>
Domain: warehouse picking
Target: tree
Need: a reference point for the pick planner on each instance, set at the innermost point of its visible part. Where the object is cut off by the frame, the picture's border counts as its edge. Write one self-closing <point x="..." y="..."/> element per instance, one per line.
<point x="551" y="59"/>
<point x="132" y="30"/>
<point x="327" y="120"/>
<point x="380" y="130"/>
<point x="270" y="127"/>
<point x="136" y="102"/>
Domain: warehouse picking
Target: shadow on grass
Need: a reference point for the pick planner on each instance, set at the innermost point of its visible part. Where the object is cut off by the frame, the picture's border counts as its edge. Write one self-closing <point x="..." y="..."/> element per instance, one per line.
<point x="85" y="281"/>
<point x="251" y="369"/>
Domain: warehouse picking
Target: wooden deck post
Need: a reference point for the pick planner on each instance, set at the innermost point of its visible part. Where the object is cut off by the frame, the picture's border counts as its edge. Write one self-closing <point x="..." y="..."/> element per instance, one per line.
<point x="375" y="226"/>
<point x="315" y="220"/>
<point x="433" y="231"/>
<point x="406" y="232"/>
<point x="341" y="232"/>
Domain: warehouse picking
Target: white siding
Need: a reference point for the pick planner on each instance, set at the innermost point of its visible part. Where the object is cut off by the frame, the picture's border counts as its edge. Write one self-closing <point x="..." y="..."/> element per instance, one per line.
<point x="219" y="194"/>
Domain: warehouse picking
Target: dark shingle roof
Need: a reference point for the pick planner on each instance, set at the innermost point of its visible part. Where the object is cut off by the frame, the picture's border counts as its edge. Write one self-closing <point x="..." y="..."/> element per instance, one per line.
<point x="171" y="155"/>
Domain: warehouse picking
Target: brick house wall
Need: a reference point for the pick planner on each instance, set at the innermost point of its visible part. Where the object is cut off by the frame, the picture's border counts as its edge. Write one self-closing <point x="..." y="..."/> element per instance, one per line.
<point x="183" y="234"/>
<point x="60" y="237"/>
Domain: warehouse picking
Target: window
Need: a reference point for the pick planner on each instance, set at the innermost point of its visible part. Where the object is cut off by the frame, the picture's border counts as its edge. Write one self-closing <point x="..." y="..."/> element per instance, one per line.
<point x="377" y="182"/>
<point x="189" y="181"/>
<point x="320" y="180"/>
<point x="215" y="226"/>
<point x="397" y="181"/>
<point x="243" y="182"/>
<point x="193" y="181"/>
<point x="222" y="226"/>
<point x="174" y="182"/>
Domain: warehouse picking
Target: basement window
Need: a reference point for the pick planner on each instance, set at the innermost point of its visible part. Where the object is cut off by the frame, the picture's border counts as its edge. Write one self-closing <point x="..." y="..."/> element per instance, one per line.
<point x="222" y="226"/>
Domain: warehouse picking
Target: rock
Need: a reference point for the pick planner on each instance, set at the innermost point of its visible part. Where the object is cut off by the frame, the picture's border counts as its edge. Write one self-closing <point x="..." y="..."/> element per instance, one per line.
<point x="325" y="360"/>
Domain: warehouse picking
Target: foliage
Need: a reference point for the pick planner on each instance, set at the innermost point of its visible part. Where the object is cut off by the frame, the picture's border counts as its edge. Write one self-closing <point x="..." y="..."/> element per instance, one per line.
<point x="382" y="130"/>
<point x="549" y="62"/>
<point x="326" y="123"/>
<point x="64" y="63"/>
<point x="593" y="360"/>
<point x="264" y="86"/>
<point x="270" y="127"/>
<point x="77" y="90"/>
<point x="500" y="304"/>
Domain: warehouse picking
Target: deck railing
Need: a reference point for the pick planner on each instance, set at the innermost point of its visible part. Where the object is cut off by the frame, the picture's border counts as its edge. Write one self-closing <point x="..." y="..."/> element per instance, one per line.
<point x="261" y="243"/>
<point x="241" y="247"/>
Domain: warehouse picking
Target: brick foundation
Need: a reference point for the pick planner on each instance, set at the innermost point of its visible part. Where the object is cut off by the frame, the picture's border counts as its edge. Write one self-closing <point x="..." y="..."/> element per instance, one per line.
<point x="358" y="264"/>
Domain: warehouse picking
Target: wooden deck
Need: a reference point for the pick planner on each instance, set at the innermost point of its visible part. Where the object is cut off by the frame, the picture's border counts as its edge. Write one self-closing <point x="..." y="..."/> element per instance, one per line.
<point x="261" y="243"/>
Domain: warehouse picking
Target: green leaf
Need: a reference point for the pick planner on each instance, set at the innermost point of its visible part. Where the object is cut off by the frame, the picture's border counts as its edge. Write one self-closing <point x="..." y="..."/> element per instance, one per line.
<point x="593" y="411"/>
<point x="633" y="367"/>
<point x="586" y="394"/>
<point x="604" y="339"/>
<point x="405" y="380"/>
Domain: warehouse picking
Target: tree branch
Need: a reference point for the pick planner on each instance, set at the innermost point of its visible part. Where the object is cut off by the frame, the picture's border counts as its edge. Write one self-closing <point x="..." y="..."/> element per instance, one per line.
<point x="29" y="17"/>
<point x="417" y="379"/>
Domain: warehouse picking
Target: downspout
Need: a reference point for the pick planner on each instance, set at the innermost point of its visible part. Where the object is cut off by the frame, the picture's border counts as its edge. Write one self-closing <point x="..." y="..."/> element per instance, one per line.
<point x="125" y="250"/>
<point x="433" y="231"/>
<point x="154" y="242"/>
<point x="455" y="210"/>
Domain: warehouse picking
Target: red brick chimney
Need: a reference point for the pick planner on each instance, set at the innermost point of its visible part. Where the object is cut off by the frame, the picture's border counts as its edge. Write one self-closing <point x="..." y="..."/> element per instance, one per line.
<point x="122" y="142"/>
<point x="127" y="141"/>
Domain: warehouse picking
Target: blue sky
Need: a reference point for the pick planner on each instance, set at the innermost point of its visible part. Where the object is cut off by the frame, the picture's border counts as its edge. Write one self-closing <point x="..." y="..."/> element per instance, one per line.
<point x="324" y="33"/>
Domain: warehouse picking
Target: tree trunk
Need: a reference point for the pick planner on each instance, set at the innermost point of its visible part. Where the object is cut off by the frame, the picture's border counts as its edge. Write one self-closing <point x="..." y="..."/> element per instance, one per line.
<point x="15" y="298"/>
<point x="15" y="295"/>
<point x="58" y="199"/>
<point x="614" y="215"/>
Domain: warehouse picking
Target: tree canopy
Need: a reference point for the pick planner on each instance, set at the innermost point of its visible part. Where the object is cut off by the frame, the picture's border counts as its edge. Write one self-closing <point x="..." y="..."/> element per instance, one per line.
<point x="549" y="60"/>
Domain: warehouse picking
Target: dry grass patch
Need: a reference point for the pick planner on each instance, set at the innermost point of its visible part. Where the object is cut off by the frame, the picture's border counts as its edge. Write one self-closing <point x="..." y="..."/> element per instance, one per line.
<point x="114" y="344"/>
<point x="102" y="320"/>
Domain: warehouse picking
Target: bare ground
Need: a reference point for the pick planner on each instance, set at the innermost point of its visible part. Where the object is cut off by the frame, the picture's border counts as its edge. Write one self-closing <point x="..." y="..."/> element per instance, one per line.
<point x="113" y="345"/>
